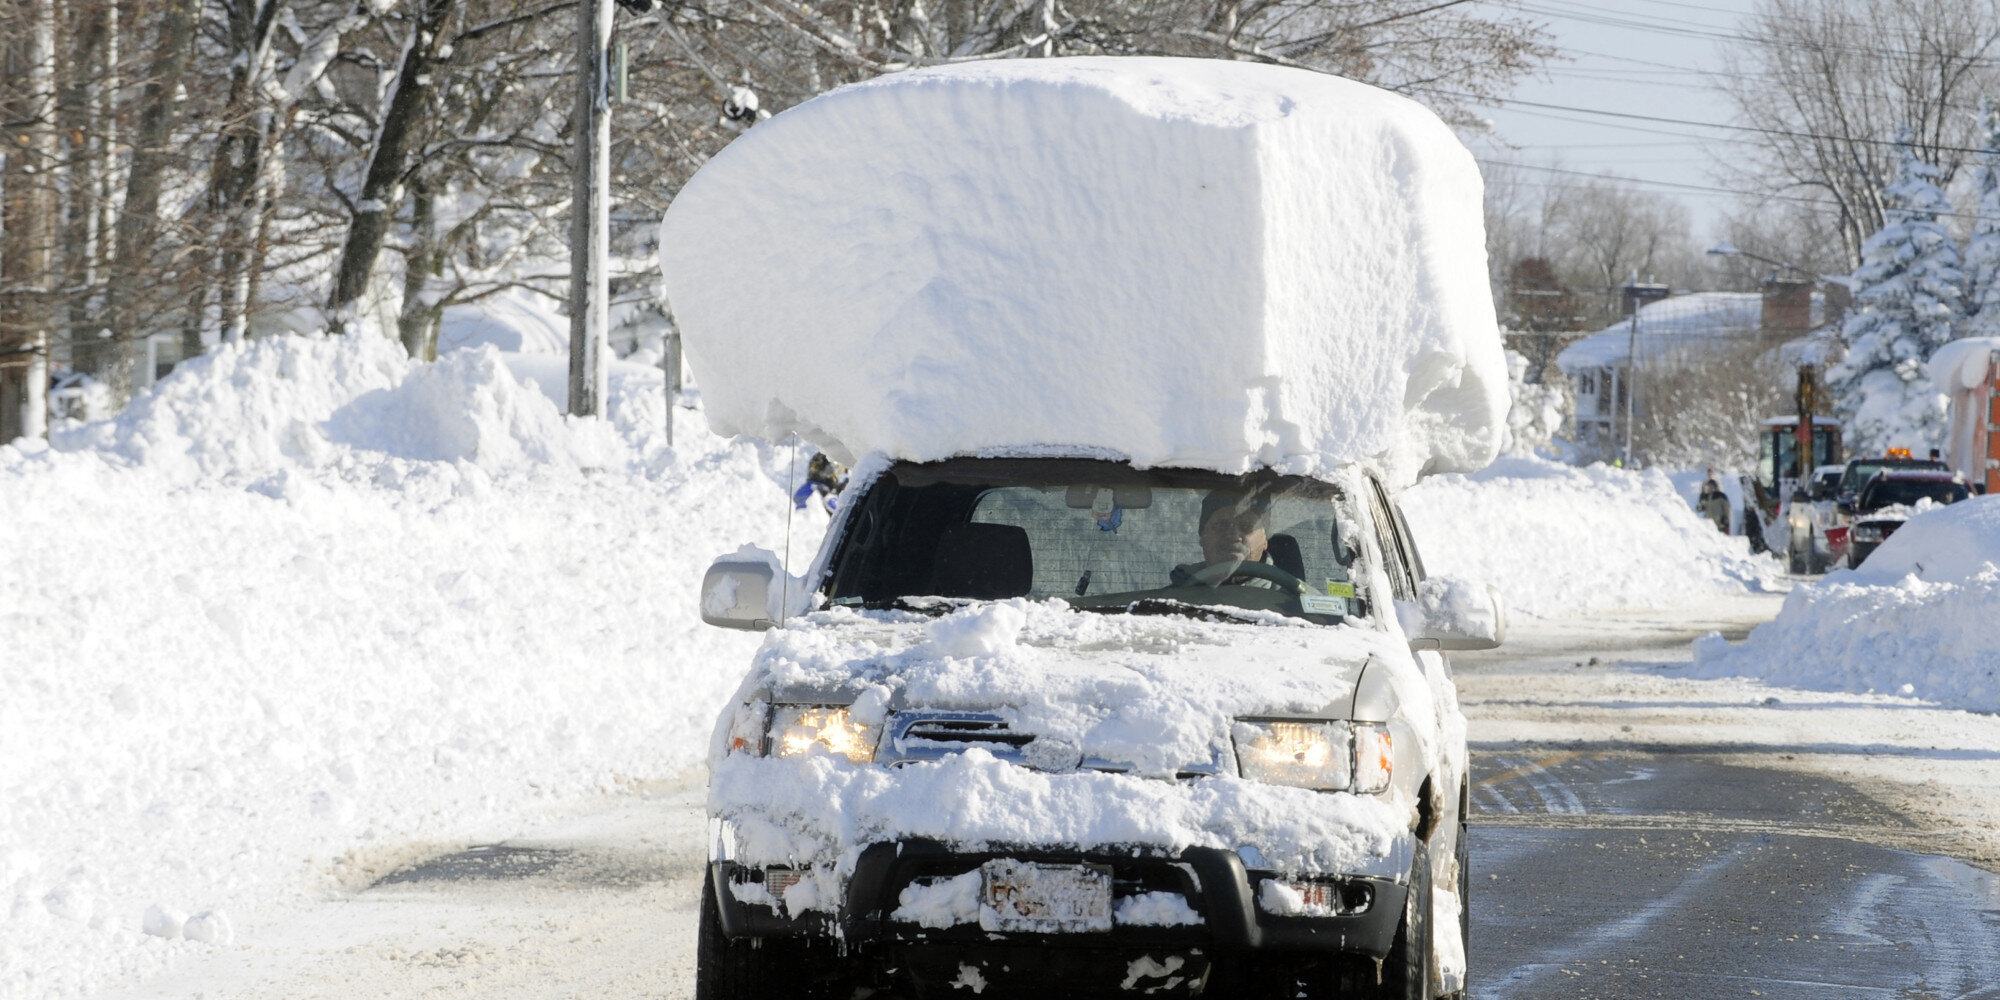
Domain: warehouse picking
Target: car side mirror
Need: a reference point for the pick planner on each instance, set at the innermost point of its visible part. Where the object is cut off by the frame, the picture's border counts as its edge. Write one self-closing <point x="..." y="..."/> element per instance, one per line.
<point x="1453" y="613"/>
<point x="736" y="591"/>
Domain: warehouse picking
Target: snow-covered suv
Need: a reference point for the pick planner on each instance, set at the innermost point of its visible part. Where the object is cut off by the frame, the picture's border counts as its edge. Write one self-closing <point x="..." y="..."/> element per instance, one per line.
<point x="1061" y="725"/>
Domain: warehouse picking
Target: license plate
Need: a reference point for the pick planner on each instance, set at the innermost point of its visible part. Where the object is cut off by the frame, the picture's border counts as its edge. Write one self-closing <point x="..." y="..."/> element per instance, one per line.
<point x="1023" y="897"/>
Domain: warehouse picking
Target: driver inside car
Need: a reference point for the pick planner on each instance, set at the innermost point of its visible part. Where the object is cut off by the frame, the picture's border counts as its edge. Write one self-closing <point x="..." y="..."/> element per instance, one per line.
<point x="1235" y="529"/>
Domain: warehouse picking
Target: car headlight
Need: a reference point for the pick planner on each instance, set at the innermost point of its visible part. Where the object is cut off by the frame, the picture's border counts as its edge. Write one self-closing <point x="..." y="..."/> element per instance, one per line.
<point x="1867" y="533"/>
<point x="1322" y="756"/>
<point x="796" y="729"/>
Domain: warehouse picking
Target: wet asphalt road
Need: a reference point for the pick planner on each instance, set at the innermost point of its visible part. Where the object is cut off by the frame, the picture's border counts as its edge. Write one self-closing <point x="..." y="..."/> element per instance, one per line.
<point x="1624" y="874"/>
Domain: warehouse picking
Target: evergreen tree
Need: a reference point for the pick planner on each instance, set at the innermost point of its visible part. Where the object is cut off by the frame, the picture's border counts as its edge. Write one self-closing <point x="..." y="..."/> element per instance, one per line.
<point x="1982" y="250"/>
<point x="1909" y="301"/>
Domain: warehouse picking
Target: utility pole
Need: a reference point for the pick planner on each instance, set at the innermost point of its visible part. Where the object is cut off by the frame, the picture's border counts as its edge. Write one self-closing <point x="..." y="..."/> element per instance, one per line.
<point x="589" y="229"/>
<point x="671" y="365"/>
<point x="1631" y="373"/>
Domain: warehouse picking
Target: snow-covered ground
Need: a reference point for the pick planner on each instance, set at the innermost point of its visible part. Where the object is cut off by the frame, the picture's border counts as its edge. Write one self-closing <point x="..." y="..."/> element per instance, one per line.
<point x="1920" y="617"/>
<point x="1556" y="540"/>
<point x="309" y="610"/>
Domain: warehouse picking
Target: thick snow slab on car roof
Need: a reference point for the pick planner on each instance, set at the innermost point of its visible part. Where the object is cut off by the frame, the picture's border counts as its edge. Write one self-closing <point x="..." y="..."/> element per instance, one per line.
<point x="1188" y="262"/>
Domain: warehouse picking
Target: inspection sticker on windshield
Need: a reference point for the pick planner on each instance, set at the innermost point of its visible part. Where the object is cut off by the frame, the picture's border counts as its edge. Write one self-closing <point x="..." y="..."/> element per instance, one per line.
<point x="1023" y="897"/>
<point x="1314" y="604"/>
<point x="1339" y="588"/>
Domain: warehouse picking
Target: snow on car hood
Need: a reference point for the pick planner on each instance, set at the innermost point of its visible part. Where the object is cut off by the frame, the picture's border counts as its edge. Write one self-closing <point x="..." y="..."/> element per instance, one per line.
<point x="1153" y="694"/>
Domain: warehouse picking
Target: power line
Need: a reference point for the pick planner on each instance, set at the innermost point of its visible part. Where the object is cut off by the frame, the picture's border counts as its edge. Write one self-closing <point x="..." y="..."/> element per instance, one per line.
<point x="1633" y="116"/>
<point x="1703" y="188"/>
<point x="1699" y="188"/>
<point x="1589" y="16"/>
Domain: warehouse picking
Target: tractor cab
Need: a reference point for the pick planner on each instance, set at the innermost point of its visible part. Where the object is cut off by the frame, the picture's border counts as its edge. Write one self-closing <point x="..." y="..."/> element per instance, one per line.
<point x="1779" y="468"/>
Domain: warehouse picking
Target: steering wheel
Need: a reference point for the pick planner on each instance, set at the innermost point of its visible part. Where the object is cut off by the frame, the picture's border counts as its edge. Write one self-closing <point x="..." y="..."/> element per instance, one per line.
<point x="1216" y="575"/>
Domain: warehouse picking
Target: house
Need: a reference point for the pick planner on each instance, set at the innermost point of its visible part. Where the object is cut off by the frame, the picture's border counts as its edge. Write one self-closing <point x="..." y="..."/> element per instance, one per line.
<point x="1609" y="388"/>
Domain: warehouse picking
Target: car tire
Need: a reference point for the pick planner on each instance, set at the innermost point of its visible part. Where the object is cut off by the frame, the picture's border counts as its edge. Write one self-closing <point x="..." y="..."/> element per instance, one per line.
<point x="1405" y="973"/>
<point x="753" y="968"/>
<point x="1464" y="854"/>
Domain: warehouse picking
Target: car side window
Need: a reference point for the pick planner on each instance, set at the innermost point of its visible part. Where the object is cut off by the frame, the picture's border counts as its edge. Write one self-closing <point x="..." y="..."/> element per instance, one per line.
<point x="1395" y="556"/>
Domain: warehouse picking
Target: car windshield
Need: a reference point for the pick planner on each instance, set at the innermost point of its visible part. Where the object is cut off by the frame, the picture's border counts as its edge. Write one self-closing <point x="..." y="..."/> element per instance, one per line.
<point x="1891" y="492"/>
<point x="1102" y="536"/>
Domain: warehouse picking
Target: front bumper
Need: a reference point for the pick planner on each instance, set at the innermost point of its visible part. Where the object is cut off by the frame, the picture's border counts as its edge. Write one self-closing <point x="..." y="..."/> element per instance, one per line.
<point x="1215" y="883"/>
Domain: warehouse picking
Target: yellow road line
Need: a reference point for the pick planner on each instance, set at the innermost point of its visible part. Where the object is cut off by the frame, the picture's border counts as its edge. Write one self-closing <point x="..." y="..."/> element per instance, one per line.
<point x="1540" y="765"/>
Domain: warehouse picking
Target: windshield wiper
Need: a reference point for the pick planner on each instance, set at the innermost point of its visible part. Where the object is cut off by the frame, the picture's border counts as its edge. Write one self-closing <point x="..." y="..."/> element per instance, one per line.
<point x="935" y="607"/>
<point x="1169" y="606"/>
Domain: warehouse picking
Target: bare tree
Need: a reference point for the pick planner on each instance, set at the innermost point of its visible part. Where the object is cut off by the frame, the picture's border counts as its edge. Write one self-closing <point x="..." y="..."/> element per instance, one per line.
<point x="1707" y="407"/>
<point x="1594" y="233"/>
<point x="1827" y="82"/>
<point x="27" y="215"/>
<point x="1612" y="233"/>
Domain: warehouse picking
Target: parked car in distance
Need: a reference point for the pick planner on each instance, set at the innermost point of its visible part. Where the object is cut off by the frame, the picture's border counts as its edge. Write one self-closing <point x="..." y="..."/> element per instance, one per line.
<point x="1890" y="498"/>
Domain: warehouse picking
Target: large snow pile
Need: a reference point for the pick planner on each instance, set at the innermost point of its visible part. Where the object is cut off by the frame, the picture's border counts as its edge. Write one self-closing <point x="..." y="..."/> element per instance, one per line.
<point x="1920" y="617"/>
<point x="307" y="607"/>
<point x="1558" y="540"/>
<point x="1188" y="262"/>
<point x="1960" y="370"/>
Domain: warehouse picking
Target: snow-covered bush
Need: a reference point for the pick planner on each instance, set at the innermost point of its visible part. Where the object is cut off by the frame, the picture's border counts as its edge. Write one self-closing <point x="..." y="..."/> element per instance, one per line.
<point x="1908" y="301"/>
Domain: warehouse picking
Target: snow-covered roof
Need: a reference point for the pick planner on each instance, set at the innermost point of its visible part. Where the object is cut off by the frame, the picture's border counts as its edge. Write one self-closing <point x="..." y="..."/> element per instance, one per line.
<point x="1675" y="326"/>
<point x="1187" y="262"/>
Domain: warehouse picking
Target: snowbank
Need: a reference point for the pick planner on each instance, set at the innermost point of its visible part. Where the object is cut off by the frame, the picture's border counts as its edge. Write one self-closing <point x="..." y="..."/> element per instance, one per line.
<point x="1190" y="262"/>
<point x="1560" y="540"/>
<point x="307" y="610"/>
<point x="1918" y="618"/>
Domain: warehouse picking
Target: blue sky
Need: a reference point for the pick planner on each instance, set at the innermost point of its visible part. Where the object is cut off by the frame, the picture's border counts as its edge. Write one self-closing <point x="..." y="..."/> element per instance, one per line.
<point x="1642" y="57"/>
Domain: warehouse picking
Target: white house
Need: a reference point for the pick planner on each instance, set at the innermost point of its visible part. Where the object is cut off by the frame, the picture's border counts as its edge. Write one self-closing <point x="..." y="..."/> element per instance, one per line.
<point x="1672" y="331"/>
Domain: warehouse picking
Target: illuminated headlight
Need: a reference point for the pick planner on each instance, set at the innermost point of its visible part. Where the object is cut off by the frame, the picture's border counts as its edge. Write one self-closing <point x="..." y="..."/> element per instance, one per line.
<point x="796" y="729"/>
<point x="1865" y="533"/>
<point x="1323" y="756"/>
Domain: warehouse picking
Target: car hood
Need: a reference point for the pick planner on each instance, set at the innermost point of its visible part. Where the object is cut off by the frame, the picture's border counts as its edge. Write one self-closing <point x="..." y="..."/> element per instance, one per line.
<point x="1141" y="707"/>
<point x="1893" y="514"/>
<point x="1154" y="695"/>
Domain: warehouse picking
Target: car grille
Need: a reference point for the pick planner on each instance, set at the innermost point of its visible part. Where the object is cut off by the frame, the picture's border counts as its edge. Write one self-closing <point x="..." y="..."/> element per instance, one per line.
<point x="915" y="737"/>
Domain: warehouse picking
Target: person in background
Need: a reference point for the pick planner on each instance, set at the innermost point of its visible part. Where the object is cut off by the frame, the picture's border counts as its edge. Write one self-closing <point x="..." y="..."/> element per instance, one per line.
<point x="1714" y="505"/>
<point x="824" y="478"/>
